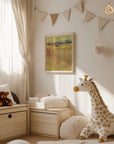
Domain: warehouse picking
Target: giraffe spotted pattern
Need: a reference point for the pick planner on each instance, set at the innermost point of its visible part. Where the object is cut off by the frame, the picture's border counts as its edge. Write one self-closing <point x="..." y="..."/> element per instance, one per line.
<point x="101" y="118"/>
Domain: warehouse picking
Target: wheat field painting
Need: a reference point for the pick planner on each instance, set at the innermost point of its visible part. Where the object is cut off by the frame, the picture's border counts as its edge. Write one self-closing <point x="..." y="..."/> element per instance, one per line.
<point x="59" y="53"/>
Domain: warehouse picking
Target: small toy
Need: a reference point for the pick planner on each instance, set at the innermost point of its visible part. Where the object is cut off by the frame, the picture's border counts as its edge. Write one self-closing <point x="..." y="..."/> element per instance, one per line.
<point x="4" y="101"/>
<point x="102" y="120"/>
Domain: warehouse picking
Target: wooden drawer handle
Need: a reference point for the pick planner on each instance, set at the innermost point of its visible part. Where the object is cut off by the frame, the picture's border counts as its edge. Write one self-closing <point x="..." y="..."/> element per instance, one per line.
<point x="10" y="116"/>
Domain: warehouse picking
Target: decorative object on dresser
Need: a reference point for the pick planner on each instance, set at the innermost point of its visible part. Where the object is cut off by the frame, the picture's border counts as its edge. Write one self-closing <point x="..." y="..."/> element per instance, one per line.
<point x="46" y="102"/>
<point x="102" y="120"/>
<point x="14" y="121"/>
<point x="15" y="97"/>
<point x="47" y="122"/>
<point x="4" y="101"/>
<point x="54" y="102"/>
<point x="34" y="101"/>
<point x="5" y="87"/>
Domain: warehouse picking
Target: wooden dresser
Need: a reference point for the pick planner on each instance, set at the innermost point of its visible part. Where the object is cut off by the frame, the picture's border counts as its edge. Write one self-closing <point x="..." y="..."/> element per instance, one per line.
<point x="14" y="121"/>
<point x="47" y="122"/>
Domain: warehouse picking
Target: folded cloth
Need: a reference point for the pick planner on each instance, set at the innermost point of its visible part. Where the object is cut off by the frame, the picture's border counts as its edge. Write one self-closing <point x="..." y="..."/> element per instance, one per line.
<point x="41" y="95"/>
<point x="33" y="98"/>
<point x="55" y="101"/>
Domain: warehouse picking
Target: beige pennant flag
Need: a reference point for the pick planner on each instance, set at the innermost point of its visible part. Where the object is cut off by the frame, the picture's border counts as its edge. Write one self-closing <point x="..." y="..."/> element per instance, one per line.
<point x="67" y="14"/>
<point x="102" y="23"/>
<point x="80" y="6"/>
<point x="42" y="15"/>
<point x="89" y="16"/>
<point x="54" y="18"/>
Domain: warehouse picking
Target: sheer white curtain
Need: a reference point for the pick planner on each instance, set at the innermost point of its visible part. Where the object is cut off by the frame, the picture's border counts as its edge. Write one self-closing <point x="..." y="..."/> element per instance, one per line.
<point x="10" y="59"/>
<point x="23" y="15"/>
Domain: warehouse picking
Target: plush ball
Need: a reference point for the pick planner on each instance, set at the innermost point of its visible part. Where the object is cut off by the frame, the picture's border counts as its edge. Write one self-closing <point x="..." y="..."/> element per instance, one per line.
<point x="4" y="101"/>
<point x="18" y="142"/>
<point x="71" y="128"/>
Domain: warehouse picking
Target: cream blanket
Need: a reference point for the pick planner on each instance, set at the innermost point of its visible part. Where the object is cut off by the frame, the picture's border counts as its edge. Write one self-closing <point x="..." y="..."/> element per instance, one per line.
<point x="88" y="141"/>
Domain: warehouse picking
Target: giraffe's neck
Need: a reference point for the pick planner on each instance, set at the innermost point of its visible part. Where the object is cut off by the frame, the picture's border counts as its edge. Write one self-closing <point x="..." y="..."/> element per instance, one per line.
<point x="96" y="99"/>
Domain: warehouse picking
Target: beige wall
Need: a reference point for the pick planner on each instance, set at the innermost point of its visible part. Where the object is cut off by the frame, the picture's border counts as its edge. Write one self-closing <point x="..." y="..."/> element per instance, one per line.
<point x="101" y="68"/>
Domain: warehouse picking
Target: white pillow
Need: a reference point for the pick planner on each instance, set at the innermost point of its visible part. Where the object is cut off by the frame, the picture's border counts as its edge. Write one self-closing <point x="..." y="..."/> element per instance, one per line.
<point x="72" y="127"/>
<point x="4" y="87"/>
<point x="55" y="101"/>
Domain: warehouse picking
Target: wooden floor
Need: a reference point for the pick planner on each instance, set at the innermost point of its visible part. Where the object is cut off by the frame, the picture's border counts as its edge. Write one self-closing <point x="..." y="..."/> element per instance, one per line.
<point x="33" y="139"/>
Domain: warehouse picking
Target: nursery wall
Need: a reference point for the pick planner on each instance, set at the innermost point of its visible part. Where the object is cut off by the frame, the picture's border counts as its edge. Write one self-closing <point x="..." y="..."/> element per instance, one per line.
<point x="100" y="67"/>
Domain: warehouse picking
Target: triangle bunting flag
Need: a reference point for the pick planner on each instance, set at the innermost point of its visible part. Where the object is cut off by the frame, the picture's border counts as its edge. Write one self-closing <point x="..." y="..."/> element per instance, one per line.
<point x="42" y="15"/>
<point x="89" y="16"/>
<point x="102" y="23"/>
<point x="54" y="18"/>
<point x="67" y="14"/>
<point x="80" y="6"/>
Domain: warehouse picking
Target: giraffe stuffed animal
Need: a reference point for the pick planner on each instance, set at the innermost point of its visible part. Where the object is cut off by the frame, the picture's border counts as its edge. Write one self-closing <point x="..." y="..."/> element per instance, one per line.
<point x="101" y="120"/>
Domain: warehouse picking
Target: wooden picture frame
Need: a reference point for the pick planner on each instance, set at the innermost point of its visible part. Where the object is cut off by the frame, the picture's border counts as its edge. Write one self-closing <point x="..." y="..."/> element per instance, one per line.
<point x="59" y="53"/>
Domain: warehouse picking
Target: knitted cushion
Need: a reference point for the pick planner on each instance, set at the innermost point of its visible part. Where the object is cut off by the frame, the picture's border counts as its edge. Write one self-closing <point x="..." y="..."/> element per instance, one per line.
<point x="72" y="127"/>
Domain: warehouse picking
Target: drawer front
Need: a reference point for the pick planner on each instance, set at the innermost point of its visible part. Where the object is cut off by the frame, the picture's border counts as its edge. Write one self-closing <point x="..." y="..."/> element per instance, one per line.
<point x="44" y="123"/>
<point x="12" y="124"/>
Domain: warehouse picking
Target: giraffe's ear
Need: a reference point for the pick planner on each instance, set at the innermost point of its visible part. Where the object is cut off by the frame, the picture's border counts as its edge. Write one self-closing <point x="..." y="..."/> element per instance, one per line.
<point x="90" y="79"/>
<point x="80" y="79"/>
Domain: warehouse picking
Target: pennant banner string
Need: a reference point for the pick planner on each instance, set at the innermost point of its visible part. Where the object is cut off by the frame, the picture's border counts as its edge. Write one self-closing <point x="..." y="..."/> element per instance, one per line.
<point x="102" y="22"/>
<point x="79" y="6"/>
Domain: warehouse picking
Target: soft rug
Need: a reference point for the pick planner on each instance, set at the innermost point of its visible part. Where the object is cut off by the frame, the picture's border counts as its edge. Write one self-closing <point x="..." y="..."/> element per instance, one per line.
<point x="89" y="141"/>
<point x="18" y="142"/>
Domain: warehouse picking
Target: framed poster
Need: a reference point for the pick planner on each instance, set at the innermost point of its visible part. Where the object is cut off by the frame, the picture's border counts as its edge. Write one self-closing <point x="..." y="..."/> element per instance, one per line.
<point x="59" y="52"/>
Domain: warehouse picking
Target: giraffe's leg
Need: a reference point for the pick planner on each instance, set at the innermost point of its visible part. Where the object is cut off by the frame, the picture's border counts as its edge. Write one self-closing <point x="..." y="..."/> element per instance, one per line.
<point x="103" y="136"/>
<point x="85" y="133"/>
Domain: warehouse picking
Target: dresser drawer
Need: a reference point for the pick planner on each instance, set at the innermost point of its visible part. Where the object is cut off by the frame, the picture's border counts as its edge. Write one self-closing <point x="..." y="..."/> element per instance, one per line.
<point x="44" y="123"/>
<point x="12" y="124"/>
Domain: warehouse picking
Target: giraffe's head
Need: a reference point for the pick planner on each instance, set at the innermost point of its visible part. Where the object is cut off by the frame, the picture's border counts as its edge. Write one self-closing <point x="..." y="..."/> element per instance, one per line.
<point x="83" y="85"/>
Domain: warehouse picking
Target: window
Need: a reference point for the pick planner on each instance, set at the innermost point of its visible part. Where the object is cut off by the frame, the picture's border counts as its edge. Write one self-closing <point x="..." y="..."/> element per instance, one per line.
<point x="10" y="58"/>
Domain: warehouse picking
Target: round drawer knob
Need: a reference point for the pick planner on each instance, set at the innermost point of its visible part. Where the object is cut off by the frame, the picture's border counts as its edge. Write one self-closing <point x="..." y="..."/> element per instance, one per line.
<point x="9" y="116"/>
